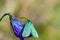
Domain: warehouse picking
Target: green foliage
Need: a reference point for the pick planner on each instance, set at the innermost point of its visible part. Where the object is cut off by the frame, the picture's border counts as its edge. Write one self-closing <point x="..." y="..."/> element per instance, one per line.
<point x="2" y="2"/>
<point x="56" y="19"/>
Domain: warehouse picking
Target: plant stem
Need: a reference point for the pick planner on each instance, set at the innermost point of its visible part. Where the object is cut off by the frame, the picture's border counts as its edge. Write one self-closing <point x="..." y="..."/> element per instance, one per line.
<point x="22" y="38"/>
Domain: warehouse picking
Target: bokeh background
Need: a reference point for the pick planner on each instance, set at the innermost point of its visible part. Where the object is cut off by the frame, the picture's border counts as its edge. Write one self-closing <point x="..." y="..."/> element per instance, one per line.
<point x="45" y="15"/>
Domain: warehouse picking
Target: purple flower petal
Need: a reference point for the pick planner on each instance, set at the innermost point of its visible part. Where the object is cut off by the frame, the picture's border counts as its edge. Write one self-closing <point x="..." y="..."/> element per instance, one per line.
<point x="17" y="27"/>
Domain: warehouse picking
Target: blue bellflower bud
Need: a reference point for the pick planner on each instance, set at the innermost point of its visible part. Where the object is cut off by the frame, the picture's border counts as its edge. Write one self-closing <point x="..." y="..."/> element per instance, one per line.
<point x="17" y="26"/>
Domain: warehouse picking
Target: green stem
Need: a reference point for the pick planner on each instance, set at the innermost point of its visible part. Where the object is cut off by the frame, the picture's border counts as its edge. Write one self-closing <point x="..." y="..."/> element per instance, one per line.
<point x="5" y="15"/>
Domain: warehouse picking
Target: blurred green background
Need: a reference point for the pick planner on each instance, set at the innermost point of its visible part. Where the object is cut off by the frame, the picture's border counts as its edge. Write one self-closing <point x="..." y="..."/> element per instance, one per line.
<point x="45" y="15"/>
